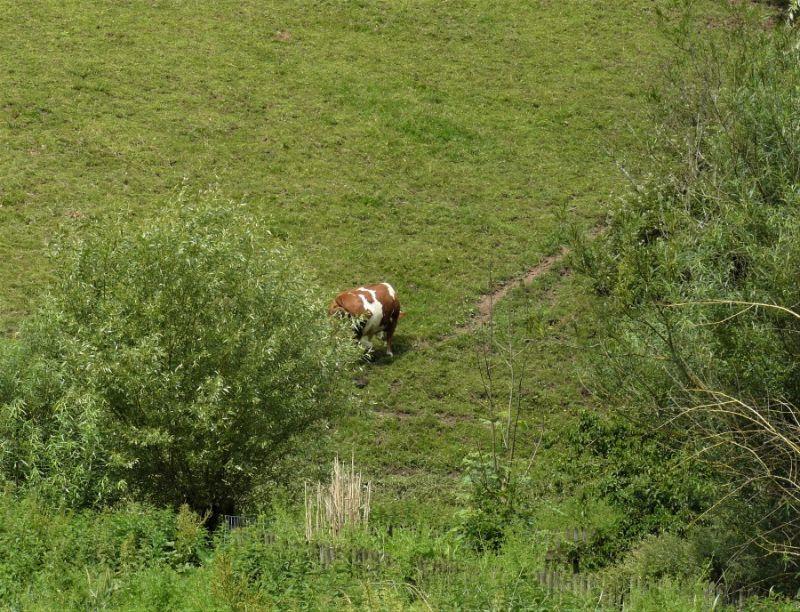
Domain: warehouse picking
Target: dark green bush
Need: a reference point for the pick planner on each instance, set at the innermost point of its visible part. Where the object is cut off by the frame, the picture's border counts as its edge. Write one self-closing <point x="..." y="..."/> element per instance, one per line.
<point x="172" y="361"/>
<point x="641" y="471"/>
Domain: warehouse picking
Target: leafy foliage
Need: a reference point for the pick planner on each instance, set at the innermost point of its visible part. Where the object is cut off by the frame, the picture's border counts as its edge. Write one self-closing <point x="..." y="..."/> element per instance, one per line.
<point x="490" y="492"/>
<point x="396" y="169"/>
<point x="173" y="362"/>
<point x="496" y="479"/>
<point x="658" y="486"/>
<point x="691" y="258"/>
<point x="51" y="551"/>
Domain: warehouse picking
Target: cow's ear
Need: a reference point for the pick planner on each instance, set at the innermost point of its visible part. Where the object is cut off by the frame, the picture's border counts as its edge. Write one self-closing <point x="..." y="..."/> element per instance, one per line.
<point x="401" y="315"/>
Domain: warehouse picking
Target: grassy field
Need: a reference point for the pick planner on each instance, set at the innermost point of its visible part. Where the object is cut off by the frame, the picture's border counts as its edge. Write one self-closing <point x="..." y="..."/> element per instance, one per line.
<point x="415" y="142"/>
<point x="435" y="145"/>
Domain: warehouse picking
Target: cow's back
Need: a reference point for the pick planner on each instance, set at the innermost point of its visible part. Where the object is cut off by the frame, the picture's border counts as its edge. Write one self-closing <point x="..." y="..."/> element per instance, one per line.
<point x="374" y="309"/>
<point x="387" y="296"/>
<point x="378" y="302"/>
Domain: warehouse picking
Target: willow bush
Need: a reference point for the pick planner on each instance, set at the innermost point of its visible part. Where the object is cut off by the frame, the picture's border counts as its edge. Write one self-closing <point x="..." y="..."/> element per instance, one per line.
<point x="172" y="361"/>
<point x="709" y="231"/>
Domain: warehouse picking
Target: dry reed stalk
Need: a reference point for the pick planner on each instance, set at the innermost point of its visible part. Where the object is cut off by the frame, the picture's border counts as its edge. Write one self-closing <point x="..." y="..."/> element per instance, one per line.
<point x="345" y="501"/>
<point x="308" y="514"/>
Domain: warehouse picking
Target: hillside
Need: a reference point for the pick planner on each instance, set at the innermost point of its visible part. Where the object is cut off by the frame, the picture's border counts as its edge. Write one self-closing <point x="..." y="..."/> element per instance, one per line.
<point x="431" y="146"/>
<point x="449" y="148"/>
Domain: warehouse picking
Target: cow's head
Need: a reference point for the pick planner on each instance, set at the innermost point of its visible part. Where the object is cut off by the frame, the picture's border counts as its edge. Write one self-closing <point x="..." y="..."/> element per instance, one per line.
<point x="336" y="309"/>
<point x="358" y="321"/>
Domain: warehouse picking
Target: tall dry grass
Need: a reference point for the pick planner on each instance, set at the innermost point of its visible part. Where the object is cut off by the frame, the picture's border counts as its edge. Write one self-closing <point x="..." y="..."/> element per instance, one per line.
<point x="344" y="502"/>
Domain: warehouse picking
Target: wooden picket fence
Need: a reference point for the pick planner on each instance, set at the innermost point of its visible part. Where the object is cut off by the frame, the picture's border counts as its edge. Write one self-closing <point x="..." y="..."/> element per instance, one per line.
<point x="561" y="572"/>
<point x="576" y="535"/>
<point x="566" y="547"/>
<point x="617" y="595"/>
<point x="363" y="557"/>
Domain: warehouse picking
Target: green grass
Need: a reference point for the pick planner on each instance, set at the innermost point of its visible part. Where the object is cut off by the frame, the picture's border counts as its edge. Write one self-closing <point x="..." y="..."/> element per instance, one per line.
<point x="432" y="145"/>
<point x="435" y="145"/>
<point x="416" y="142"/>
<point x="441" y="146"/>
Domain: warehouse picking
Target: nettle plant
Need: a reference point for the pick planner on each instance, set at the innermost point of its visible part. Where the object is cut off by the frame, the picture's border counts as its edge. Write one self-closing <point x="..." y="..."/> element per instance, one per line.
<point x="174" y="360"/>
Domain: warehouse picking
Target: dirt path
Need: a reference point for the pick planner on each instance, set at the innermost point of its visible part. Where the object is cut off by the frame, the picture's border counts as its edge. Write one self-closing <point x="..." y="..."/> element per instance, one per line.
<point x="485" y="305"/>
<point x="487" y="302"/>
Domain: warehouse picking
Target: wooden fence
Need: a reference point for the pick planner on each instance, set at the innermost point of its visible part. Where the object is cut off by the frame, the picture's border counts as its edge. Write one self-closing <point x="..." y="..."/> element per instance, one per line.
<point x="561" y="572"/>
<point x="363" y="557"/>
<point x="609" y="593"/>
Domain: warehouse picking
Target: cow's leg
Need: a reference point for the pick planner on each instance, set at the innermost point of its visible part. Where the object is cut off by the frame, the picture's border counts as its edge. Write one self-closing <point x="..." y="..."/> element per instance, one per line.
<point x="366" y="343"/>
<point x="389" y="333"/>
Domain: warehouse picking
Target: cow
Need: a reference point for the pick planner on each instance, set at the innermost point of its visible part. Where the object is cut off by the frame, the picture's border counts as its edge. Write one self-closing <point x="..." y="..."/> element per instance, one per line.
<point x="374" y="309"/>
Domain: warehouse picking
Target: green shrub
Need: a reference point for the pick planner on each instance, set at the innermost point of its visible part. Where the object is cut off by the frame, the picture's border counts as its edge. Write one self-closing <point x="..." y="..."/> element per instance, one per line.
<point x="172" y="361"/>
<point x="657" y="487"/>
<point x="48" y="552"/>
<point x="190" y="536"/>
<point x="495" y="485"/>
<point x="489" y="489"/>
<point x="664" y="556"/>
<point x="708" y="232"/>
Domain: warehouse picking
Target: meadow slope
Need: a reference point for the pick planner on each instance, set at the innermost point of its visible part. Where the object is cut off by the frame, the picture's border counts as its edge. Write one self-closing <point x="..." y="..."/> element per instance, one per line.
<point x="433" y="145"/>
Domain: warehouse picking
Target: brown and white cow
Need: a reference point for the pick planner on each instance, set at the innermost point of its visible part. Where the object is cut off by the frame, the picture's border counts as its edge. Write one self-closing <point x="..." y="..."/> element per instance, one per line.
<point x="374" y="309"/>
